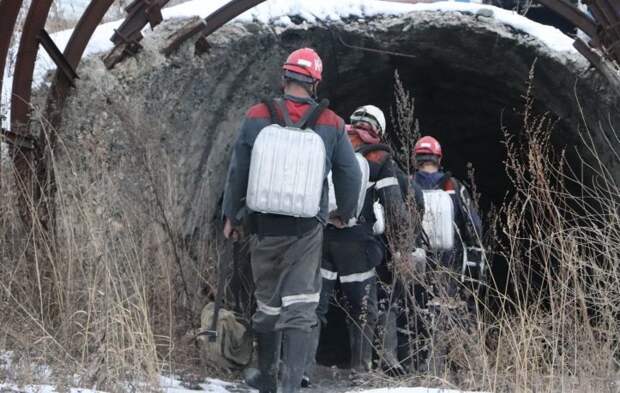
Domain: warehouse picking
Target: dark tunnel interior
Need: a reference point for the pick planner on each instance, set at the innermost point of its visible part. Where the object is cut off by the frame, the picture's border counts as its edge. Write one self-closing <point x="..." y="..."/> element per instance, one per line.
<point x="469" y="89"/>
<point x="466" y="110"/>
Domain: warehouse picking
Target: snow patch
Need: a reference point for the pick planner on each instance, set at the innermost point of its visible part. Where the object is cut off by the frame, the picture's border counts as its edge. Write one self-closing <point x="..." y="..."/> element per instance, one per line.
<point x="279" y="12"/>
<point x="172" y="385"/>
<point x="411" y="390"/>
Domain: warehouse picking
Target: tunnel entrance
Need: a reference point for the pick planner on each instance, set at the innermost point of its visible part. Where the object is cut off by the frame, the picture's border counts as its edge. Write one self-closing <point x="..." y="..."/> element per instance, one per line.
<point x="467" y="97"/>
<point x="467" y="73"/>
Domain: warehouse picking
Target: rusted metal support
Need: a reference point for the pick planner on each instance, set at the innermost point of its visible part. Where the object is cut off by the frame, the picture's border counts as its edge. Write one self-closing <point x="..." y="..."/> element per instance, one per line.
<point x="228" y="12"/>
<point x="580" y="19"/>
<point x="140" y="12"/>
<point x="128" y="36"/>
<point x="610" y="30"/>
<point x="24" y="65"/>
<point x="59" y="90"/>
<point x="20" y="141"/>
<point x="83" y="31"/>
<point x="587" y="52"/>
<point x="73" y="52"/>
<point x="598" y="61"/>
<point x="182" y="35"/>
<point x="25" y="158"/>
<point x="214" y="21"/>
<point x="56" y="55"/>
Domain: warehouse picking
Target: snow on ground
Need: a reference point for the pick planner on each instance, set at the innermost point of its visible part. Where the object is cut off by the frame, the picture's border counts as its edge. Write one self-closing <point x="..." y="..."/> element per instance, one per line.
<point x="411" y="390"/>
<point x="278" y="12"/>
<point x="168" y="384"/>
<point x="171" y="385"/>
<point x="212" y="386"/>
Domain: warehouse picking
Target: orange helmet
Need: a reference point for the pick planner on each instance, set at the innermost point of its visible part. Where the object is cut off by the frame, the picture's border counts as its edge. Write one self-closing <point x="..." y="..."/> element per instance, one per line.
<point x="303" y="65"/>
<point x="427" y="148"/>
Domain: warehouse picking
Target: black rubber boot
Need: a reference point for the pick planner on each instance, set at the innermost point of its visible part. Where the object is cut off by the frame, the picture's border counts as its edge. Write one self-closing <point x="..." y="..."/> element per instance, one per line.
<point x="361" y="347"/>
<point x="297" y="344"/>
<point x="315" y="335"/>
<point x="266" y="379"/>
<point x="390" y="361"/>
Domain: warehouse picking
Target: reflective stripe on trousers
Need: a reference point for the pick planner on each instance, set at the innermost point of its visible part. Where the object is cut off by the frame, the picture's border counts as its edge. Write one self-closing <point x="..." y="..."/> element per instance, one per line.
<point x="262" y="307"/>
<point x="349" y="278"/>
<point x="328" y="274"/>
<point x="357" y="277"/>
<point x="301" y="298"/>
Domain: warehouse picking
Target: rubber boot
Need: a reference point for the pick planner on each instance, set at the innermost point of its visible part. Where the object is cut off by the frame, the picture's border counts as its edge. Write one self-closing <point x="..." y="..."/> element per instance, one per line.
<point x="297" y="345"/>
<point x="266" y="379"/>
<point x="361" y="340"/>
<point x="315" y="335"/>
<point x="390" y="362"/>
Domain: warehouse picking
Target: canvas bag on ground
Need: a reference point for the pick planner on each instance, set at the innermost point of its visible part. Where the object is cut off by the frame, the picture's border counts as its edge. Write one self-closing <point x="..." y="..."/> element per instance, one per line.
<point x="287" y="166"/>
<point x="438" y="219"/>
<point x="233" y="345"/>
<point x="365" y="170"/>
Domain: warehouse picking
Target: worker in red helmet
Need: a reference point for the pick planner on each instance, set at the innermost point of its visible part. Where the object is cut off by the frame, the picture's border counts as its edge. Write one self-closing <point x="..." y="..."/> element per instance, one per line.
<point x="305" y="67"/>
<point x="452" y="232"/>
<point x="276" y="184"/>
<point x="427" y="155"/>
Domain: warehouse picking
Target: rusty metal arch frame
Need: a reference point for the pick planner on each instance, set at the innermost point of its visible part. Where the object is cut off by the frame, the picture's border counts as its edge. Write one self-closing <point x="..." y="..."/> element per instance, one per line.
<point x="603" y="28"/>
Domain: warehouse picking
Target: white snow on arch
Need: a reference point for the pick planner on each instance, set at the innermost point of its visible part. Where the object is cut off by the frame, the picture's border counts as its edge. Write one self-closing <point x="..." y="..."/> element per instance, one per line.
<point x="278" y="12"/>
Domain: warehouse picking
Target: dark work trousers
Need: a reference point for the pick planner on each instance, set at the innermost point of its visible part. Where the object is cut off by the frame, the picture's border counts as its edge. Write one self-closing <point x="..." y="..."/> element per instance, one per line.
<point x="287" y="276"/>
<point x="351" y="258"/>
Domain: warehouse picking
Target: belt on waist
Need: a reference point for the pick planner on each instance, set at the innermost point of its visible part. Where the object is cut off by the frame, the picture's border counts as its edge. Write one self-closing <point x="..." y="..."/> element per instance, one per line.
<point x="279" y="225"/>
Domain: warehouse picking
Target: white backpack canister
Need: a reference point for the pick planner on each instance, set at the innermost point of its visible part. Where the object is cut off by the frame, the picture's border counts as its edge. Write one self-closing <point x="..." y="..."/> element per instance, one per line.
<point x="438" y="219"/>
<point x="287" y="168"/>
<point x="365" y="171"/>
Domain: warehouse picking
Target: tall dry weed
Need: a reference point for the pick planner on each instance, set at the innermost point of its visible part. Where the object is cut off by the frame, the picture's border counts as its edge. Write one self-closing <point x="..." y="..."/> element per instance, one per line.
<point x="556" y="328"/>
<point x="105" y="295"/>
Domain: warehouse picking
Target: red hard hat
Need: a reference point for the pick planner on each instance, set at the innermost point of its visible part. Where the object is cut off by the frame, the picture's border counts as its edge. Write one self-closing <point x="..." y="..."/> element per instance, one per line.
<point x="304" y="65"/>
<point x="427" y="145"/>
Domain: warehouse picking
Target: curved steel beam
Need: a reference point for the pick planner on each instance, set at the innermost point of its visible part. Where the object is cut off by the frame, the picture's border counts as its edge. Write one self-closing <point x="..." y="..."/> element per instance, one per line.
<point x="24" y="66"/>
<point x="214" y="21"/>
<point x="571" y="13"/>
<point x="83" y="31"/>
<point x="228" y="12"/>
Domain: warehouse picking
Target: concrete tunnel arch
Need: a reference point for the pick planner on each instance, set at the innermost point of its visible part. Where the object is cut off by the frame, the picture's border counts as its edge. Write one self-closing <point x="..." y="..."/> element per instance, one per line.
<point x="467" y="74"/>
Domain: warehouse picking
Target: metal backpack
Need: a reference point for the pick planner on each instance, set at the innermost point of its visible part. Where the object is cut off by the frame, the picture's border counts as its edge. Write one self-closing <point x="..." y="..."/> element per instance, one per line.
<point x="365" y="170"/>
<point x="438" y="218"/>
<point x="287" y="166"/>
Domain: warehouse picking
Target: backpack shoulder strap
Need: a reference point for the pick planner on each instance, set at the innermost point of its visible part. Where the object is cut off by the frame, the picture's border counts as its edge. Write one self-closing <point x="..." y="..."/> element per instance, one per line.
<point x="269" y="103"/>
<point x="280" y="104"/>
<point x="310" y="118"/>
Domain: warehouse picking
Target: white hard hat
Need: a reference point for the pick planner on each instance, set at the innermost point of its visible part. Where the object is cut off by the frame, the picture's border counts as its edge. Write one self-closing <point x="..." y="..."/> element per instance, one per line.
<point x="370" y="114"/>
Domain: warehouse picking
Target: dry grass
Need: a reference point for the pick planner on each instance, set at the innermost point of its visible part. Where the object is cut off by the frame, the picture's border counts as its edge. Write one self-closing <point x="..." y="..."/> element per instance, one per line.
<point x="557" y="325"/>
<point x="109" y="293"/>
